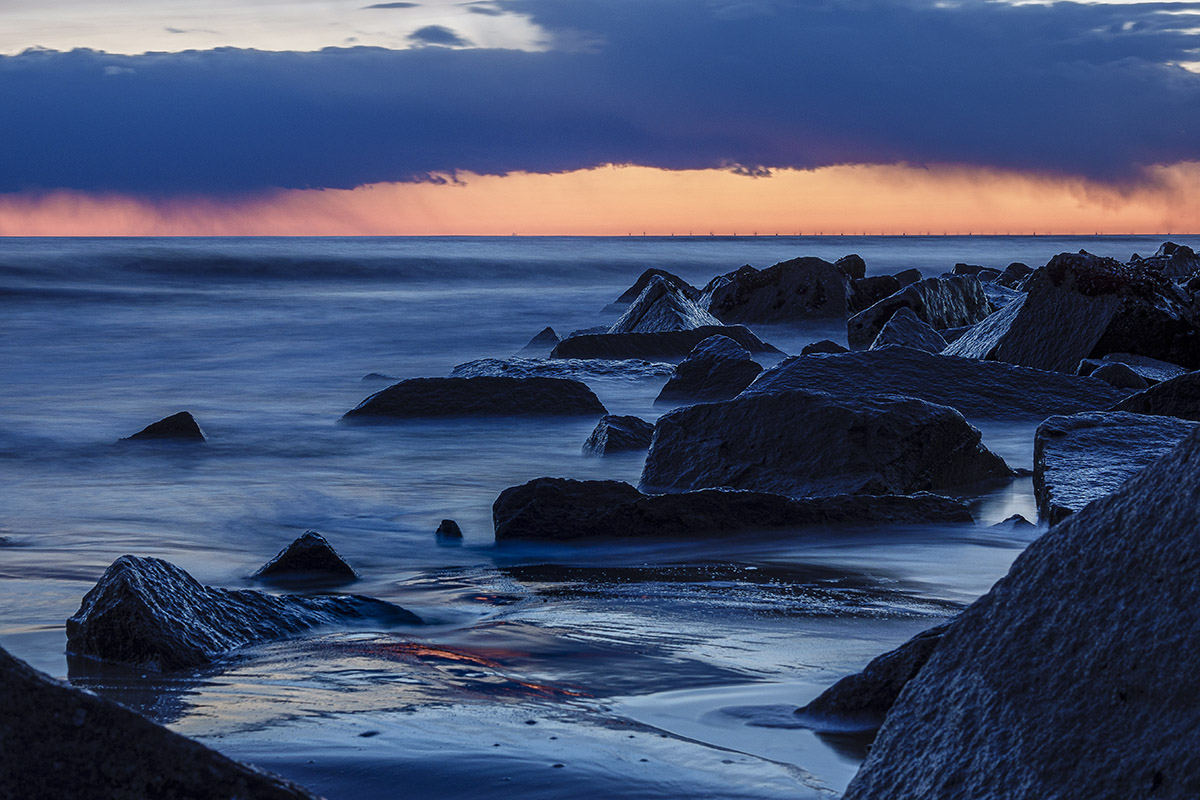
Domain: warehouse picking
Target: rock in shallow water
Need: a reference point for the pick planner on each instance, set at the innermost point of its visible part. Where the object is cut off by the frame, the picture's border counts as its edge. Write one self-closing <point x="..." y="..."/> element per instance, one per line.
<point x="540" y="345"/>
<point x="614" y="434"/>
<point x="481" y="396"/>
<point x="61" y="742"/>
<point x="309" y="556"/>
<point x="717" y="369"/>
<point x="150" y="613"/>
<point x="178" y="427"/>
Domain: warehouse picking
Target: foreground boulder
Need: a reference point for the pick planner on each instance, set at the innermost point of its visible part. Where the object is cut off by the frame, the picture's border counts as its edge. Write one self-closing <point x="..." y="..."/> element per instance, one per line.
<point x="670" y="345"/>
<point x="979" y="389"/>
<point x="802" y="288"/>
<point x="309" y="556"/>
<point x="614" y="434"/>
<point x="906" y="329"/>
<point x="558" y="509"/>
<point x="941" y="302"/>
<point x="1075" y="676"/>
<point x="178" y="427"/>
<point x="661" y="307"/>
<point x="1177" y="397"/>
<point x="717" y="369"/>
<point x="1079" y="458"/>
<point x="61" y="742"/>
<point x="150" y="613"/>
<point x="645" y="279"/>
<point x="805" y="444"/>
<point x="482" y="396"/>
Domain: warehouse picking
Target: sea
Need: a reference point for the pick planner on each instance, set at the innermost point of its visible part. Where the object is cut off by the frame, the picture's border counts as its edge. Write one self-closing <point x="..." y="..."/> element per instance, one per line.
<point x="627" y="669"/>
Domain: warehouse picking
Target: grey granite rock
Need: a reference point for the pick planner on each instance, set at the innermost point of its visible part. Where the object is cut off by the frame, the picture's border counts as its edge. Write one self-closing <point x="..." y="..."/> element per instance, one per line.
<point x="615" y="434"/>
<point x="669" y="345"/>
<point x="1177" y="397"/>
<point x="717" y="369"/>
<point x="309" y="556"/>
<point x="908" y="330"/>
<point x="180" y="427"/>
<point x="481" y="396"/>
<point x="661" y="308"/>
<point x="802" y="288"/>
<point x="941" y="302"/>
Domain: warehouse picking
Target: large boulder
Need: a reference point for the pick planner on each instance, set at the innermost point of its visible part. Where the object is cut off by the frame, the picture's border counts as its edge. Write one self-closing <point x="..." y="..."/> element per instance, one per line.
<point x="644" y="280"/>
<point x="150" y="613"/>
<point x="482" y="396"/>
<point x="866" y="292"/>
<point x="614" y="434"/>
<point x="308" y="556"/>
<point x="668" y="345"/>
<point x="717" y="369"/>
<point x="1177" y="397"/>
<point x="906" y="329"/>
<point x="1076" y="676"/>
<point x="560" y="510"/>
<point x="979" y="389"/>
<point x="661" y="307"/>
<point x="1080" y="458"/>
<point x="61" y="742"/>
<point x="806" y="444"/>
<point x="802" y="288"/>
<point x="573" y="368"/>
<point x="941" y="302"/>
<point x="1083" y="306"/>
<point x="179" y="427"/>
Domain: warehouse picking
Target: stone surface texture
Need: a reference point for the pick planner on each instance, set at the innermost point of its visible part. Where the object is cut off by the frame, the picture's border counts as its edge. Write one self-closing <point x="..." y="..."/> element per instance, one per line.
<point x="616" y="434"/>
<point x="908" y="330"/>
<point x="941" y="302"/>
<point x="1177" y="397"/>
<point x="801" y="288"/>
<point x="660" y="308"/>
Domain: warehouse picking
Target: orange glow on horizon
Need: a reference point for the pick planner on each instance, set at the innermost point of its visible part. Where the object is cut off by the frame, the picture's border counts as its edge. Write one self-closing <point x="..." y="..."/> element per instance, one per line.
<point x="616" y="200"/>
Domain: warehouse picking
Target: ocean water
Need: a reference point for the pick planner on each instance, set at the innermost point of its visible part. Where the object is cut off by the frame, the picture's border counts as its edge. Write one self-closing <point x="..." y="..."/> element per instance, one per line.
<point x="649" y="669"/>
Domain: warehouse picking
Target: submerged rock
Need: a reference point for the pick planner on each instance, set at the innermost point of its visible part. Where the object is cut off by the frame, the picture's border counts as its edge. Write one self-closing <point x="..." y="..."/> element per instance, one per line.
<point x="1074" y="677"/>
<point x="644" y="280"/>
<point x="615" y="434"/>
<point x="941" y="302"/>
<point x="801" y="288"/>
<point x="448" y="529"/>
<point x="560" y="510"/>
<point x="61" y="742"/>
<point x="717" y="369"/>
<point x="150" y="613"/>
<point x="669" y="345"/>
<point x="482" y="396"/>
<point x="1082" y="457"/>
<point x="805" y="444"/>
<point x="574" y="368"/>
<point x="660" y="308"/>
<point x="308" y="556"/>
<point x="180" y="427"/>
<point x="540" y="345"/>
<point x="908" y="330"/>
<point x="1177" y="397"/>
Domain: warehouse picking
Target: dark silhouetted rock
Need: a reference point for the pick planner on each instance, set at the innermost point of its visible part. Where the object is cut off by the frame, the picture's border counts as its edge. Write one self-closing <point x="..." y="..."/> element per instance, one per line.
<point x="1150" y="369"/>
<point x="644" y="280"/>
<point x="308" y="556"/>
<point x="1074" y="677"/>
<point x="806" y="444"/>
<point x="483" y="396"/>
<point x="866" y="292"/>
<point x="908" y="277"/>
<point x="1173" y="260"/>
<point x="979" y="389"/>
<point x="61" y="742"/>
<point x="574" y="368"/>
<point x="1177" y="397"/>
<point x="717" y="369"/>
<point x="983" y="273"/>
<point x="1079" y="458"/>
<point x="908" y="330"/>
<point x="860" y="702"/>
<point x="823" y="346"/>
<point x="179" y="427"/>
<point x="448" y="529"/>
<point x="1014" y="523"/>
<point x="1014" y="274"/>
<point x="1121" y="376"/>
<point x="615" y="434"/>
<point x="587" y="331"/>
<point x="802" y="288"/>
<point x="852" y="266"/>
<point x="660" y="308"/>
<point x="670" y="345"/>
<point x="150" y="613"/>
<point x="941" y="302"/>
<point x="540" y="345"/>
<point x="373" y="377"/>
<point x="560" y="510"/>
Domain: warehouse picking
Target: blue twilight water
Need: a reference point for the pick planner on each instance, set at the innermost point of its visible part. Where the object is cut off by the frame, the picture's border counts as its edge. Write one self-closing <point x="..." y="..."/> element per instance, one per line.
<point x="266" y="342"/>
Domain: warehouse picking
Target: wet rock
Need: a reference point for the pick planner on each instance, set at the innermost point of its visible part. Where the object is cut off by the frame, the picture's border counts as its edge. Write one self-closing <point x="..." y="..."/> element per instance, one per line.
<point x="941" y="302"/>
<point x="1177" y="397"/>
<point x="823" y="346"/>
<point x="1001" y="296"/>
<point x="669" y="345"/>
<point x="1173" y="260"/>
<point x="802" y="288"/>
<point x="575" y="368"/>
<point x="448" y="529"/>
<point x="63" y="742"/>
<point x="980" y="341"/>
<point x="1150" y="369"/>
<point x="983" y="273"/>
<point x="178" y="427"/>
<point x="644" y="280"/>
<point x="150" y="613"/>
<point x="1121" y="376"/>
<point x="852" y="266"/>
<point x="866" y="292"/>
<point x="805" y="444"/>
<point x="908" y="330"/>
<point x="979" y="389"/>
<point x="1014" y="275"/>
<point x="309" y="556"/>
<point x="615" y="434"/>
<point x="1074" y="676"/>
<point x="561" y="510"/>
<point x="717" y="369"/>
<point x="660" y="308"/>
<point x="1014" y="523"/>
<point x="908" y="277"/>
<point x="482" y="396"/>
<point x="860" y="702"/>
<point x="540" y="345"/>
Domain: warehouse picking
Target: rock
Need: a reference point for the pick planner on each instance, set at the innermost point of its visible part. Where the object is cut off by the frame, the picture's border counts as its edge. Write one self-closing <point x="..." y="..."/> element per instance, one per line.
<point x="1177" y="397"/>
<point x="558" y="509"/>
<point x="483" y="396"/>
<point x="615" y="434"/>
<point x="1150" y="369"/>
<point x="587" y="331"/>
<point x="941" y="302"/>
<point x="1014" y="274"/>
<point x="178" y="427"/>
<point x="448" y="529"/>
<point x="805" y="444"/>
<point x="980" y="341"/>
<point x="662" y="308"/>
<point x="1121" y="376"/>
<point x="954" y="334"/>
<point x="1074" y="676"/>
<point x="908" y="277"/>
<point x="575" y="368"/>
<point x="717" y="369"/>
<point x="63" y="742"/>
<point x="670" y="345"/>
<point x="644" y="280"/>
<point x="802" y="288"/>
<point x="1001" y="296"/>
<point x="860" y="702"/>
<point x="979" y="389"/>
<point x="983" y="273"/>
<point x="372" y="377"/>
<point x="823" y="346"/>
<point x="540" y="345"/>
<point x="309" y="556"/>
<point x="1014" y="523"/>
<point x="866" y="292"/>
<point x="1082" y="457"/>
<point x="852" y="266"/>
<point x="908" y="330"/>
<point x="150" y="613"/>
<point x="1173" y="260"/>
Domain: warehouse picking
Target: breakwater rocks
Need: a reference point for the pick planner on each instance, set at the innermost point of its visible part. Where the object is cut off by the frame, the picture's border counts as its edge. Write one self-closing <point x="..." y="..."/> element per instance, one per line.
<point x="479" y="396"/>
<point x="717" y="369"/>
<point x="614" y="434"/>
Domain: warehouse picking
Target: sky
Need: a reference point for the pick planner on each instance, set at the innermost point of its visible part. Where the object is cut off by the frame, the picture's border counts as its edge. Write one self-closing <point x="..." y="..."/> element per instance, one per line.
<point x="598" y="117"/>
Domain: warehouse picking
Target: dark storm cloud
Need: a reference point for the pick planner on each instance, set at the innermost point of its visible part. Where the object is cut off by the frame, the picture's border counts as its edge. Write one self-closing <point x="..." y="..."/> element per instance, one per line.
<point x="439" y="35"/>
<point x="1080" y="89"/>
